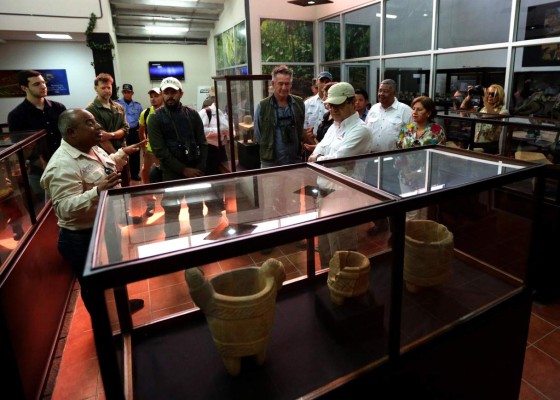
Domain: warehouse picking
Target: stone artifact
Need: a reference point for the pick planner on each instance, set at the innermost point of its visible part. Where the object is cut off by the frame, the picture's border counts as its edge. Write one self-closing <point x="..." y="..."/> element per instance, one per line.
<point x="348" y="275"/>
<point x="239" y="306"/>
<point x="428" y="254"/>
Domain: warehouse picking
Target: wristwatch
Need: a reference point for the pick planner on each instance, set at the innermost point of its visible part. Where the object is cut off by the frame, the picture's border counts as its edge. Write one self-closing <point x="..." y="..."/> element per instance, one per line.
<point x="113" y="135"/>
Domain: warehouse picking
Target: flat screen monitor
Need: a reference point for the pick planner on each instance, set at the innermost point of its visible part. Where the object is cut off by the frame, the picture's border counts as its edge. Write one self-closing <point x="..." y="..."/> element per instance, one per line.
<point x="162" y="69"/>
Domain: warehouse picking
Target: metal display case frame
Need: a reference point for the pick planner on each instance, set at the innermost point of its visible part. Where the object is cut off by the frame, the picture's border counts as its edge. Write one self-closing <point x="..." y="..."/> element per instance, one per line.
<point x="392" y="351"/>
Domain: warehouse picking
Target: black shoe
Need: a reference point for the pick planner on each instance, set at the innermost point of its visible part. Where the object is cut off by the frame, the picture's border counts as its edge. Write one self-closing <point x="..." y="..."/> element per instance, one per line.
<point x="18" y="232"/>
<point x="135" y="305"/>
<point x="135" y="178"/>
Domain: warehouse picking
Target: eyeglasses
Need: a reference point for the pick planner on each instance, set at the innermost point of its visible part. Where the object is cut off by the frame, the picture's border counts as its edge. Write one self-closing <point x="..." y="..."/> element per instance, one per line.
<point x="337" y="106"/>
<point x="492" y="94"/>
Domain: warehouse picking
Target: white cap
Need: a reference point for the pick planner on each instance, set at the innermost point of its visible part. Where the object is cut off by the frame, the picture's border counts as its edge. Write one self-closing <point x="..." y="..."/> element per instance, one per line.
<point x="339" y="93"/>
<point x="155" y="89"/>
<point x="170" y="82"/>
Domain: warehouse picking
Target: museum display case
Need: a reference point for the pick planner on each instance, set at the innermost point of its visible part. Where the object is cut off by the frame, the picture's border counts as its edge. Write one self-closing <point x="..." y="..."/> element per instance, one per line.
<point x="237" y="96"/>
<point x="378" y="340"/>
<point x="35" y="285"/>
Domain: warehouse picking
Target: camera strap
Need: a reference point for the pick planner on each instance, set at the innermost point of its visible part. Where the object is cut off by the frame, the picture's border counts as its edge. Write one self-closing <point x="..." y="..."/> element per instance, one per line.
<point x="189" y="122"/>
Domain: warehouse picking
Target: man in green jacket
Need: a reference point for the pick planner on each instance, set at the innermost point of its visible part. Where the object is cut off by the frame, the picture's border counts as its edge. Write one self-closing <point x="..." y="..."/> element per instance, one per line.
<point x="279" y="122"/>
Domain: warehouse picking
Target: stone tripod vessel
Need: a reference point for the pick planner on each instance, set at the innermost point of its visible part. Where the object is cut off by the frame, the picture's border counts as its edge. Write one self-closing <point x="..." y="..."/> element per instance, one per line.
<point x="348" y="275"/>
<point x="239" y="306"/>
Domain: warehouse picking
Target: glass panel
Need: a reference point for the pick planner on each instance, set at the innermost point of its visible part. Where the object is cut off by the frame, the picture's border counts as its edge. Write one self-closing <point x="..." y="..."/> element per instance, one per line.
<point x="536" y="92"/>
<point x="220" y="210"/>
<point x="412" y="80"/>
<point x="364" y="75"/>
<point x="442" y="285"/>
<point x="406" y="174"/>
<point x="331" y="35"/>
<point x="240" y="44"/>
<point x="462" y="24"/>
<point x="219" y="51"/>
<point x="361" y="32"/>
<point x="538" y="21"/>
<point x="456" y="72"/>
<point x="14" y="216"/>
<point x="408" y="26"/>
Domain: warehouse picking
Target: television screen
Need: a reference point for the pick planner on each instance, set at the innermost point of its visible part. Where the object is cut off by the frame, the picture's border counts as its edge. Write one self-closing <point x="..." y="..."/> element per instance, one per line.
<point x="162" y="69"/>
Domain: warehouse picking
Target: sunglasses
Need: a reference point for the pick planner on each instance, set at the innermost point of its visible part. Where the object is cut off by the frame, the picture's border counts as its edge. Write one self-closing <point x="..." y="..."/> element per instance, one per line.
<point x="108" y="171"/>
<point x="492" y="94"/>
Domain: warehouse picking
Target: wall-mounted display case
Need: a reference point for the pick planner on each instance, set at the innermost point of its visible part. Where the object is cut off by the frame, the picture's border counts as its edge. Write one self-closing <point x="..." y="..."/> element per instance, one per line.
<point x="35" y="283"/>
<point x="381" y="343"/>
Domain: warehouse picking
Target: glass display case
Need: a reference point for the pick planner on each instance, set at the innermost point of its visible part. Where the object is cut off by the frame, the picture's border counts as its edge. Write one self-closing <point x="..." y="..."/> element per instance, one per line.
<point x="300" y="215"/>
<point x="21" y="196"/>
<point x="237" y="97"/>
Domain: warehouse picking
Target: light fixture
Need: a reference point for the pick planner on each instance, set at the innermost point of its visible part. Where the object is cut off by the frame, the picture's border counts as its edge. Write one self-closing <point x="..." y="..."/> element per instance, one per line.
<point x="388" y="16"/>
<point x="166" y="30"/>
<point x="54" y="36"/>
<point x="306" y="3"/>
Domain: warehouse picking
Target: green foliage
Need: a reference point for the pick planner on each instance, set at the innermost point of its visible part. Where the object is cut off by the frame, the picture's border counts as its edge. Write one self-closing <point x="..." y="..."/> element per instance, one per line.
<point x="219" y="49"/>
<point x="285" y="41"/>
<point x="240" y="44"/>
<point x="357" y="41"/>
<point x="332" y="41"/>
<point x="91" y="43"/>
<point x="229" y="47"/>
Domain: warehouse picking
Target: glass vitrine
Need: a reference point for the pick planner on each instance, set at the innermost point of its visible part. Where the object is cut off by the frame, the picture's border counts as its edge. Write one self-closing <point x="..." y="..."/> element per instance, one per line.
<point x="300" y="215"/>
<point x="237" y="97"/>
<point x="21" y="196"/>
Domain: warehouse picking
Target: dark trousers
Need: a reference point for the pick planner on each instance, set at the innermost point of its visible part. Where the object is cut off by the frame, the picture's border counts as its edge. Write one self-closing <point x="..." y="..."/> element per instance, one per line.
<point x="73" y="246"/>
<point x="133" y="159"/>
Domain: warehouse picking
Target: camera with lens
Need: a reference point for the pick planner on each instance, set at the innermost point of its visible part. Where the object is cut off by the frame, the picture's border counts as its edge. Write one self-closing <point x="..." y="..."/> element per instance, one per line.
<point x="191" y="150"/>
<point x="478" y="90"/>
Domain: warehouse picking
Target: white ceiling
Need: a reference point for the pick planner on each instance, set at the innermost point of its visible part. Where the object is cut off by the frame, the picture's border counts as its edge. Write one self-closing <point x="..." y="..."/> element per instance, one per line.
<point x="131" y="17"/>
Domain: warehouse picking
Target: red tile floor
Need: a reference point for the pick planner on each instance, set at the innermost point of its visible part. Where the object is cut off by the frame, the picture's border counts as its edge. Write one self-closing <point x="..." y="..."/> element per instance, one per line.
<point x="541" y="374"/>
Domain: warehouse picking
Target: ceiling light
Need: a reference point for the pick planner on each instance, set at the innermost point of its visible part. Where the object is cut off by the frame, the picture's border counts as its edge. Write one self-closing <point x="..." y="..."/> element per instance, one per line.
<point x="389" y="16"/>
<point x="305" y="3"/>
<point x="54" y="36"/>
<point x="165" y="30"/>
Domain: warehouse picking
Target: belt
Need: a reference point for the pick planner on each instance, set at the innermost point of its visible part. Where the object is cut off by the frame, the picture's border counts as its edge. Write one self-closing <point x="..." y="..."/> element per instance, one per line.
<point x="78" y="231"/>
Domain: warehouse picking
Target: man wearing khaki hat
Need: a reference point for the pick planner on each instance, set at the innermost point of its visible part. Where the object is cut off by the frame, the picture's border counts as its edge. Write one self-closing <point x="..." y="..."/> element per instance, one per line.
<point x="347" y="136"/>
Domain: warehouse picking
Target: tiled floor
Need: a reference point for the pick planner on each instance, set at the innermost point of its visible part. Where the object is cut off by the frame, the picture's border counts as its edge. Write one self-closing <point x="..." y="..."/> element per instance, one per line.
<point x="541" y="375"/>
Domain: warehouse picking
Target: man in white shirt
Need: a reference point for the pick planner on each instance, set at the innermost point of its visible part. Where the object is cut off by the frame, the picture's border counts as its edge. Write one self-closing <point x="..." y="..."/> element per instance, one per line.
<point x="347" y="136"/>
<point x="314" y="107"/>
<point x="385" y="120"/>
<point x="386" y="117"/>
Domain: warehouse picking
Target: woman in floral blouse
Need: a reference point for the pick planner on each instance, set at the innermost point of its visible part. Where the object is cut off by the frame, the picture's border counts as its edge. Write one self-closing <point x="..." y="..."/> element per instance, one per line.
<point x="422" y="131"/>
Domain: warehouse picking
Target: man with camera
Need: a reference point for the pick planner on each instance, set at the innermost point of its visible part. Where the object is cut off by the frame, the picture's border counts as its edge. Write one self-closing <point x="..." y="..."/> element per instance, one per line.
<point x="178" y="142"/>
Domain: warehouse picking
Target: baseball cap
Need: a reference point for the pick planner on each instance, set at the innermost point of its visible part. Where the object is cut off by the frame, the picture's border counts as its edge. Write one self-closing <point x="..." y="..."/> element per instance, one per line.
<point x="155" y="89"/>
<point x="339" y="93"/>
<point x="127" y="86"/>
<point x="170" y="82"/>
<point x="325" y="74"/>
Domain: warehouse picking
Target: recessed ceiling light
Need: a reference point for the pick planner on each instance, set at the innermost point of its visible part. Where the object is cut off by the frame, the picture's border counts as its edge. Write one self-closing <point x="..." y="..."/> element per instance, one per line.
<point x="305" y="3"/>
<point x="54" y="36"/>
<point x="165" y="30"/>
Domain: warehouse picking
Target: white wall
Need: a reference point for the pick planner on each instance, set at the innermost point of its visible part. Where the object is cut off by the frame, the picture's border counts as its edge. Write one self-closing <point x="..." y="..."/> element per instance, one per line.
<point x="74" y="57"/>
<point x="133" y="68"/>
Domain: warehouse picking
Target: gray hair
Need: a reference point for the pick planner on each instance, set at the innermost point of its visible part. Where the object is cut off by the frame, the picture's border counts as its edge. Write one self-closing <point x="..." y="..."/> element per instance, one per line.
<point x="389" y="82"/>
<point x="66" y="120"/>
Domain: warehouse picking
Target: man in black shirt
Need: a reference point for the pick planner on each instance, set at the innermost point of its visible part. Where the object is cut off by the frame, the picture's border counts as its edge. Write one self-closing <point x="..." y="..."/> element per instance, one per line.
<point x="36" y="112"/>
